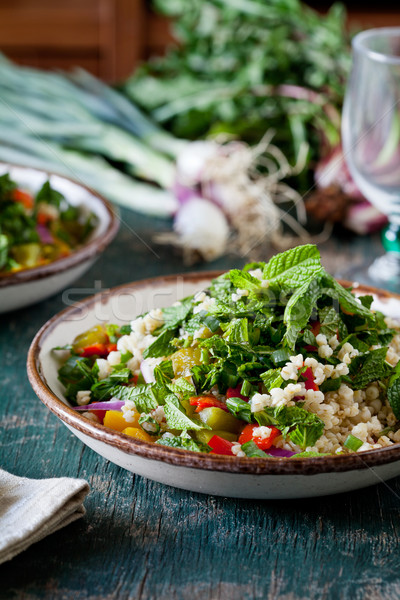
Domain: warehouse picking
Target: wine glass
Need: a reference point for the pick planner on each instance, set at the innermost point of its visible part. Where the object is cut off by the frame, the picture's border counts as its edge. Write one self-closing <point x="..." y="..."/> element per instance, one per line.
<point x="371" y="141"/>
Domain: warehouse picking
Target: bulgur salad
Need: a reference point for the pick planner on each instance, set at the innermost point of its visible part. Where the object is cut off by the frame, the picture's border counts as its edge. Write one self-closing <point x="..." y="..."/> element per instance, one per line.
<point x="274" y="360"/>
<point x="38" y="228"/>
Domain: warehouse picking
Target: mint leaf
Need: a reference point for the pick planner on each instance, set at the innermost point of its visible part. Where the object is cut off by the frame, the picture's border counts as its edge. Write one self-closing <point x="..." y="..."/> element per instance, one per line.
<point x="175" y="315"/>
<point x="243" y="280"/>
<point x="272" y="379"/>
<point x="346" y="299"/>
<point x="239" y="408"/>
<point x="187" y="443"/>
<point x="49" y="196"/>
<point x="306" y="434"/>
<point x="300" y="307"/>
<point x="329" y="320"/>
<point x="4" y="246"/>
<point x="161" y="345"/>
<point x="306" y="426"/>
<point x="294" y="267"/>
<point x="146" y="397"/>
<point x="237" y="331"/>
<point x="177" y="418"/>
<point x="368" y="367"/>
<point x="253" y="451"/>
<point x="182" y="386"/>
<point x="393" y="392"/>
<point x="102" y="390"/>
<point x="366" y="301"/>
<point x="76" y="375"/>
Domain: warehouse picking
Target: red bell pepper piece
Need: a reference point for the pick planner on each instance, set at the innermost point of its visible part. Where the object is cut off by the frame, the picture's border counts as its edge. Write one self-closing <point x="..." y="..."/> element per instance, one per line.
<point x="23" y="198"/>
<point x="102" y="350"/>
<point x="316" y="327"/>
<point x="220" y="446"/>
<point x="309" y="382"/>
<point x="235" y="393"/>
<point x="248" y="434"/>
<point x="205" y="402"/>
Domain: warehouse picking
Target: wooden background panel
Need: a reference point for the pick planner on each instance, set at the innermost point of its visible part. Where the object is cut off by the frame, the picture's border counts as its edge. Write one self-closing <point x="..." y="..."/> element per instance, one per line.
<point x="111" y="37"/>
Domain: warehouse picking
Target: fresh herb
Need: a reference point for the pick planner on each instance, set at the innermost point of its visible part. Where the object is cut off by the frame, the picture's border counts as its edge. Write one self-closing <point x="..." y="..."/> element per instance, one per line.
<point x="186" y="443"/>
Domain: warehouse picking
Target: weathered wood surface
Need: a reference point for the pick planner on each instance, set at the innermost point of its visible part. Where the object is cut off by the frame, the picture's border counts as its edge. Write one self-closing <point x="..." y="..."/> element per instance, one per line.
<point x="141" y="540"/>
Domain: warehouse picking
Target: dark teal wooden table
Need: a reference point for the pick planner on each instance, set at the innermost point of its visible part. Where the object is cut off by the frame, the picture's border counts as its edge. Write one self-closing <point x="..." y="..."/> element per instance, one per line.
<point x="143" y="540"/>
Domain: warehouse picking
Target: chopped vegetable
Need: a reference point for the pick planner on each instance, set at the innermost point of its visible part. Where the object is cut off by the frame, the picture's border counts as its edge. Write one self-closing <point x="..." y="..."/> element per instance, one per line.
<point x="352" y="443"/>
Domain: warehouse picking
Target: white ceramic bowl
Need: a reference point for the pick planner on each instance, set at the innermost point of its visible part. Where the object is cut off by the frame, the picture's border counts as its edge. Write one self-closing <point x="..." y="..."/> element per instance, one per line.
<point x="31" y="285"/>
<point x="211" y="474"/>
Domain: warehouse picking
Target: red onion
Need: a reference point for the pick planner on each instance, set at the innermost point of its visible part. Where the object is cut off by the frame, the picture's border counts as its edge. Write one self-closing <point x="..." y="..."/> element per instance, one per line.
<point x="147" y="371"/>
<point x="110" y="405"/>
<point x="44" y="234"/>
<point x="363" y="218"/>
<point x="332" y="170"/>
<point x="280" y="452"/>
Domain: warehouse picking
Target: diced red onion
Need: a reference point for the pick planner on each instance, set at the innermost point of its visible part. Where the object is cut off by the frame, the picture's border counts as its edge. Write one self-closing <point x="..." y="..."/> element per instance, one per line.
<point x="147" y="371"/>
<point x="44" y="234"/>
<point x="110" y="405"/>
<point x="280" y="452"/>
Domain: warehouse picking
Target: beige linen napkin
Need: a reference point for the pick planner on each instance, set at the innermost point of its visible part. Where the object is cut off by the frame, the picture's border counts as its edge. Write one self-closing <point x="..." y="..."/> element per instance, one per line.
<point x="31" y="509"/>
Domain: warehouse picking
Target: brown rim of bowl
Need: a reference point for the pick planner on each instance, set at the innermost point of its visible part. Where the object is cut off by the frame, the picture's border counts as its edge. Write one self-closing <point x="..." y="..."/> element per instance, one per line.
<point x="179" y="457"/>
<point x="91" y="249"/>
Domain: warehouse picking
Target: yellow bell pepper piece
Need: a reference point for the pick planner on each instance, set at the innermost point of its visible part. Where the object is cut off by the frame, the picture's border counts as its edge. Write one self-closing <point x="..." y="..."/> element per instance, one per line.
<point x="138" y="434"/>
<point x="114" y="419"/>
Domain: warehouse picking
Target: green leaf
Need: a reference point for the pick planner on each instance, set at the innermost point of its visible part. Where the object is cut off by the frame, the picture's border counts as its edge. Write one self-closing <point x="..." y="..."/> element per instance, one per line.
<point x="366" y="301"/>
<point x="182" y="386"/>
<point x="306" y="435"/>
<point x="239" y="408"/>
<point x="76" y="375"/>
<point x="145" y="396"/>
<point x="329" y="320"/>
<point x="48" y="195"/>
<point x="393" y="392"/>
<point x="294" y="267"/>
<point x="209" y="321"/>
<point x="237" y="331"/>
<point x="7" y="185"/>
<point x="4" y="246"/>
<point x="300" y="307"/>
<point x="102" y="390"/>
<point x="306" y="426"/>
<point x="187" y="443"/>
<point x="177" y="418"/>
<point x="161" y="345"/>
<point x="253" y="451"/>
<point x="175" y="315"/>
<point x="243" y="280"/>
<point x="147" y="418"/>
<point x="272" y="379"/>
<point x="112" y="330"/>
<point x="368" y="367"/>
